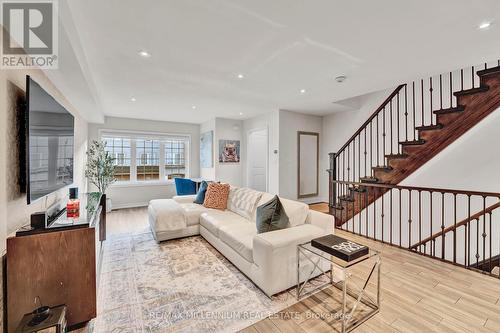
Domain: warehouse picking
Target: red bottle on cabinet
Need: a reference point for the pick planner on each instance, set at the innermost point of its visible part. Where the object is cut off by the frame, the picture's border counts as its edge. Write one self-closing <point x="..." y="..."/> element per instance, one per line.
<point x="73" y="206"/>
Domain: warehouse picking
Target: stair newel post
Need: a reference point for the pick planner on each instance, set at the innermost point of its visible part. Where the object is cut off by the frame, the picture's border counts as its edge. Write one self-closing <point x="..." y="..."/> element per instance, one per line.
<point x="333" y="178"/>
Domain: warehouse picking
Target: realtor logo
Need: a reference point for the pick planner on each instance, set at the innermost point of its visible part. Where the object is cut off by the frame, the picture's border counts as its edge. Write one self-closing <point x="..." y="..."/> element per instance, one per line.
<point x="30" y="38"/>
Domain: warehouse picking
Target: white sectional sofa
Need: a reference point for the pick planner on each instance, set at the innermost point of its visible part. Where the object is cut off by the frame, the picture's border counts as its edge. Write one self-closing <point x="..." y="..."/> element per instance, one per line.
<point x="268" y="259"/>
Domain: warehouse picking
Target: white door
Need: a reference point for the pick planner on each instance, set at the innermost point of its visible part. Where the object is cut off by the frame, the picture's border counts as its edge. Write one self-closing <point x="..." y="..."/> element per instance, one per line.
<point x="257" y="155"/>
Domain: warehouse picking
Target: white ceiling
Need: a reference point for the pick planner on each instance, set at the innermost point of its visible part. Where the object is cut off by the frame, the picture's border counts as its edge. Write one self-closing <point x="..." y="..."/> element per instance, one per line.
<point x="199" y="47"/>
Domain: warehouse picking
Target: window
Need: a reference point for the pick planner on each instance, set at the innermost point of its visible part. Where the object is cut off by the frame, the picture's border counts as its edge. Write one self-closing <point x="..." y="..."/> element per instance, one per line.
<point x="175" y="166"/>
<point x="148" y="157"/>
<point x="120" y="150"/>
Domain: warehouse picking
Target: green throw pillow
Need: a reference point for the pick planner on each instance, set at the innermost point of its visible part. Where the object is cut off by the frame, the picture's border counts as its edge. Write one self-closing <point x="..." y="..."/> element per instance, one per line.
<point x="271" y="216"/>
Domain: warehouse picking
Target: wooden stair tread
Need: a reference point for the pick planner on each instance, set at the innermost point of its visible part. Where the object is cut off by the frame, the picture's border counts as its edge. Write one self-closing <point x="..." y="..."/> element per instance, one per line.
<point x="459" y="108"/>
<point x="412" y="142"/>
<point x="471" y="91"/>
<point x="369" y="180"/>
<point x="489" y="71"/>
<point x="346" y="198"/>
<point x="396" y="156"/>
<point x="430" y="127"/>
<point x="384" y="168"/>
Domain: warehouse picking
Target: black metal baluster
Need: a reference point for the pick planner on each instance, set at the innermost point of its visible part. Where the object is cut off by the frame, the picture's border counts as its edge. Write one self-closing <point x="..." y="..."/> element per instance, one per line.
<point x="383" y="137"/>
<point x="382" y="217"/>
<point x="442" y="226"/>
<point x="455" y="228"/>
<point x="392" y="136"/>
<point x="433" y="241"/>
<point x="371" y="148"/>
<point x="400" y="218"/>
<point x="414" y="117"/>
<point x="440" y="91"/>
<point x="409" y="219"/>
<point x="366" y="209"/>
<point x="484" y="228"/>
<point x="472" y="76"/>
<point x="419" y="219"/>
<point x="490" y="242"/>
<point x="390" y="217"/>
<point x="461" y="80"/>
<point x="430" y="93"/>
<point x="348" y="163"/>
<point x="359" y="157"/>
<point x="365" y="153"/>
<point x="468" y="233"/>
<point x="406" y="114"/>
<point x="397" y="111"/>
<point x="378" y="153"/>
<point x="422" y="103"/>
<point x="451" y="90"/>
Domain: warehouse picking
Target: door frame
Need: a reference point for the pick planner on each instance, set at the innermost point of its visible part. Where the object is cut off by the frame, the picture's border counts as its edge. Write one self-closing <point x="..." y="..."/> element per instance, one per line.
<point x="250" y="131"/>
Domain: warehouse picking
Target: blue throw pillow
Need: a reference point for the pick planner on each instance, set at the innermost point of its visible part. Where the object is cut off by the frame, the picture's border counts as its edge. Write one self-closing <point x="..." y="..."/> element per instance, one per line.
<point x="271" y="216"/>
<point x="200" y="197"/>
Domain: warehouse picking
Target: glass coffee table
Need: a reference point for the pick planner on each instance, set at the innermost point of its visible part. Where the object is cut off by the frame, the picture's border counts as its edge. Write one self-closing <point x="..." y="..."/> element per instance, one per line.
<point x="342" y="271"/>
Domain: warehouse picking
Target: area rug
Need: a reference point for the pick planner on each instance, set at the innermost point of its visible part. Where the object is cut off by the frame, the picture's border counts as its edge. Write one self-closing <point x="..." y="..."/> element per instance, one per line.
<point x="182" y="285"/>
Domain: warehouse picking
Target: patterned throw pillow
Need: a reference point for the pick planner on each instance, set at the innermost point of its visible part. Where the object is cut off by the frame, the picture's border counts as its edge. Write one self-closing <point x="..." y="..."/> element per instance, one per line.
<point x="216" y="196"/>
<point x="243" y="201"/>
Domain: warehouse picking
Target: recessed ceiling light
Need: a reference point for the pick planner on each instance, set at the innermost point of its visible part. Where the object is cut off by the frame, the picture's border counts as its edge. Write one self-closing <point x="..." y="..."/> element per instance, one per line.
<point x="193" y="107"/>
<point x="241" y="76"/>
<point x="302" y="91"/>
<point x="241" y="113"/>
<point x="144" y="54"/>
<point x="133" y="99"/>
<point x="484" y="25"/>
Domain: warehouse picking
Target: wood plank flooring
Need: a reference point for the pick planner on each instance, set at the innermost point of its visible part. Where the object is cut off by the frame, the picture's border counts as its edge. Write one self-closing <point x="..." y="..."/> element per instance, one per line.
<point x="418" y="295"/>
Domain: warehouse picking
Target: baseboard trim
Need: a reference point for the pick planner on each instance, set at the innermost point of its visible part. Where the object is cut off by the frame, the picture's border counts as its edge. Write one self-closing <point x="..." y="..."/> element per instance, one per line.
<point x="130" y="205"/>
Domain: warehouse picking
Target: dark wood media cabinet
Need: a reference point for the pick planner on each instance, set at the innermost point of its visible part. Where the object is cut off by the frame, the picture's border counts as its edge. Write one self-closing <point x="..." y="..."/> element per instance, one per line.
<point x="59" y="264"/>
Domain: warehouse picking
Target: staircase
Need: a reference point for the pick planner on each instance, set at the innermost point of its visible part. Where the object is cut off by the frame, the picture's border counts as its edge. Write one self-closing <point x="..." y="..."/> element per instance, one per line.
<point x="416" y="122"/>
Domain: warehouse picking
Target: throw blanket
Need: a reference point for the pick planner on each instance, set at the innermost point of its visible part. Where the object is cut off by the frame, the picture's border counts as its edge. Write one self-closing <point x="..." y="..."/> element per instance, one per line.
<point x="167" y="214"/>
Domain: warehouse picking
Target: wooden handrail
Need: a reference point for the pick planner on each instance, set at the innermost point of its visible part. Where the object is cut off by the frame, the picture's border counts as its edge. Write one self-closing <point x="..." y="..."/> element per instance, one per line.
<point x="377" y="111"/>
<point x="459" y="224"/>
<point x="419" y="188"/>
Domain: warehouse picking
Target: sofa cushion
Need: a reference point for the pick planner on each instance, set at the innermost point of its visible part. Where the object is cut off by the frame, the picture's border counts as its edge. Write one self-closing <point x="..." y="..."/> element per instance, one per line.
<point x="216" y="196"/>
<point x="296" y="211"/>
<point x="243" y="201"/>
<point x="192" y="212"/>
<point x="271" y="216"/>
<point x="213" y="220"/>
<point x="200" y="196"/>
<point x="240" y="238"/>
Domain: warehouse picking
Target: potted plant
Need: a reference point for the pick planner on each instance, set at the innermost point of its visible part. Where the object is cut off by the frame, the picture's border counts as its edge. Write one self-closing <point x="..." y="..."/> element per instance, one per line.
<point x="100" y="169"/>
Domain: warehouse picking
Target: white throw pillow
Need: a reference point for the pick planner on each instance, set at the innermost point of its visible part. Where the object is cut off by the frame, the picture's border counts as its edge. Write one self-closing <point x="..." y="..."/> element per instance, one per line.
<point x="296" y="211"/>
<point x="243" y="201"/>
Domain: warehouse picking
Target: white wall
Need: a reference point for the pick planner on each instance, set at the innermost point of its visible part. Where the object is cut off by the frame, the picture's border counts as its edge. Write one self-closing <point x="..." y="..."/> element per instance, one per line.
<point x="224" y="129"/>
<point x="13" y="196"/>
<point x="269" y="121"/>
<point x="228" y="129"/>
<point x="134" y="195"/>
<point x="289" y="124"/>
<point x="209" y="173"/>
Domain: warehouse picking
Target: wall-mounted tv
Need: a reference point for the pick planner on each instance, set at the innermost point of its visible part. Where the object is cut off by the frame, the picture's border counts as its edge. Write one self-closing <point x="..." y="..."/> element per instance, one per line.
<point x="49" y="143"/>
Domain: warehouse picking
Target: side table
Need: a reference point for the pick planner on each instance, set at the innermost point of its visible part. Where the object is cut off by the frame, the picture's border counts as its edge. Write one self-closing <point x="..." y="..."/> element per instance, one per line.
<point x="358" y="293"/>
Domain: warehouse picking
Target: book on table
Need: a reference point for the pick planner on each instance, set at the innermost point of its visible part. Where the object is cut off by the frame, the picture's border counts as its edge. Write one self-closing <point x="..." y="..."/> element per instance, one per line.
<point x="339" y="247"/>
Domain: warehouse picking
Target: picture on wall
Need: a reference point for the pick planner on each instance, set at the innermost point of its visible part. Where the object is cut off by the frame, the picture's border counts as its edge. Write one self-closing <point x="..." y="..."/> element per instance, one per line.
<point x="229" y="151"/>
<point x="206" y="149"/>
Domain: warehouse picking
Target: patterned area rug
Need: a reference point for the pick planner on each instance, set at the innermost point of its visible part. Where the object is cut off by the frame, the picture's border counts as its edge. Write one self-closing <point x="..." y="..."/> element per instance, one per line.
<point x="182" y="285"/>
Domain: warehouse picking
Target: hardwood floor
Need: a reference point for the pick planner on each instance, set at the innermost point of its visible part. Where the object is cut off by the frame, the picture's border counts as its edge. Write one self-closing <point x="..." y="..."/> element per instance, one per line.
<point x="418" y="295"/>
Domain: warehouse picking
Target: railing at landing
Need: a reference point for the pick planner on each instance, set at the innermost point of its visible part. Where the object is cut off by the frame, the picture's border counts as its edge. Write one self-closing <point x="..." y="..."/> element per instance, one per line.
<point x="457" y="226"/>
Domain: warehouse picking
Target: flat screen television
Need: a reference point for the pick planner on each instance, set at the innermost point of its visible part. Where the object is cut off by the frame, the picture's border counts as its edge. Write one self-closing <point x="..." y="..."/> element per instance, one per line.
<point x="49" y="143"/>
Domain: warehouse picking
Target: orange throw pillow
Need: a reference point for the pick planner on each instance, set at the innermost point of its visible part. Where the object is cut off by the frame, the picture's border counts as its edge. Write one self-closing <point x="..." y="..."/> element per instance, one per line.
<point x="216" y="196"/>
